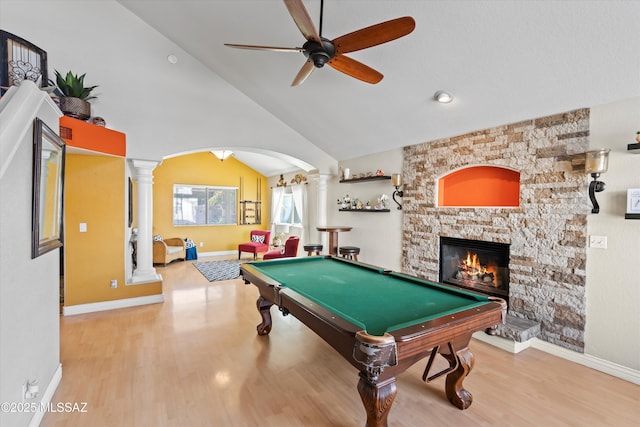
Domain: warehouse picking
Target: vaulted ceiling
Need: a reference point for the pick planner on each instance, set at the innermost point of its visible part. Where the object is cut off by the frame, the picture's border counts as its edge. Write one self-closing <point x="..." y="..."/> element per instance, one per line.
<point x="503" y="62"/>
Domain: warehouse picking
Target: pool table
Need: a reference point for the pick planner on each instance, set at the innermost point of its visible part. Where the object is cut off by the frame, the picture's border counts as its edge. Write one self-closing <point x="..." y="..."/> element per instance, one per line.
<point x="380" y="321"/>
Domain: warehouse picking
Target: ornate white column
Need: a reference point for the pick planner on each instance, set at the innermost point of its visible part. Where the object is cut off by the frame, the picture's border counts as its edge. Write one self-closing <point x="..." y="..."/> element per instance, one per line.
<point x="321" y="203"/>
<point x="143" y="170"/>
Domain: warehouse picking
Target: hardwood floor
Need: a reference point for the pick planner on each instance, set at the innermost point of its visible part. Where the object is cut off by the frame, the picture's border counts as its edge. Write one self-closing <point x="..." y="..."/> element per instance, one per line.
<point x="196" y="360"/>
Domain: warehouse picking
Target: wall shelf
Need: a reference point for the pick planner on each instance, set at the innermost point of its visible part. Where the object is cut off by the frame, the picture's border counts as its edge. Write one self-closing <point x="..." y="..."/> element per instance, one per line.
<point x="631" y="216"/>
<point x="365" y="179"/>
<point x="364" y="210"/>
<point x="634" y="148"/>
<point x="250" y="212"/>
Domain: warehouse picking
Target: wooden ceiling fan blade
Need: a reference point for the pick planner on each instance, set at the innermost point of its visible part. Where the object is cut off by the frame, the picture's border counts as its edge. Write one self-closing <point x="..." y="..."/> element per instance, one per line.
<point x="355" y="69"/>
<point x="271" y="48"/>
<point x="374" y="35"/>
<point x="304" y="72"/>
<point x="302" y="19"/>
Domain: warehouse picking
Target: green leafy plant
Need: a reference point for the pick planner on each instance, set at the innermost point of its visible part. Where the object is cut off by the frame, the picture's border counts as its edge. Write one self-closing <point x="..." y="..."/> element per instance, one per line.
<point x="73" y="86"/>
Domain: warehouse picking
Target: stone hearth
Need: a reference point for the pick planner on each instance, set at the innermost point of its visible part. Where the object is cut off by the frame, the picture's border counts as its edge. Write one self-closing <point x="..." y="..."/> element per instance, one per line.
<point x="547" y="232"/>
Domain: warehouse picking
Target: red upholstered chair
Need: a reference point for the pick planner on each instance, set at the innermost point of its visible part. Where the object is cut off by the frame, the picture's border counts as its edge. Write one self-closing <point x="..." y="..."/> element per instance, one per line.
<point x="260" y="240"/>
<point x="290" y="249"/>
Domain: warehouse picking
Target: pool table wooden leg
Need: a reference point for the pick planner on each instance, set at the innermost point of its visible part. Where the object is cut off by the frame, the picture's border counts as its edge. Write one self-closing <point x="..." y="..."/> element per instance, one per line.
<point x="377" y="399"/>
<point x="454" y="389"/>
<point x="264" y="307"/>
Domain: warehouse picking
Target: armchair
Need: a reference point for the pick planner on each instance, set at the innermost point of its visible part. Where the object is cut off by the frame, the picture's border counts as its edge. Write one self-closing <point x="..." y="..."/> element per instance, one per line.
<point x="168" y="250"/>
<point x="290" y="249"/>
<point x="260" y="240"/>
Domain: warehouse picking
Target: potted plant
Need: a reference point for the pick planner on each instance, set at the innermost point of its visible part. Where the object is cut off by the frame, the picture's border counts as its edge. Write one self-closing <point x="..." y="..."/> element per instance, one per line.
<point x="638" y="136"/>
<point x="75" y="95"/>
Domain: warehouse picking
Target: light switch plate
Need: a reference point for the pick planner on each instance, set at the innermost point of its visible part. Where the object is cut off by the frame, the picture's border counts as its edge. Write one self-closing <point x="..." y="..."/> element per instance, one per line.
<point x="599" y="242"/>
<point x="83" y="227"/>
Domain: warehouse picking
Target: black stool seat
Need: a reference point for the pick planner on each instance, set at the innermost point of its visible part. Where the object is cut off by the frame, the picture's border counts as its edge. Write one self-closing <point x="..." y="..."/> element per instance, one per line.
<point x="313" y="249"/>
<point x="350" y="252"/>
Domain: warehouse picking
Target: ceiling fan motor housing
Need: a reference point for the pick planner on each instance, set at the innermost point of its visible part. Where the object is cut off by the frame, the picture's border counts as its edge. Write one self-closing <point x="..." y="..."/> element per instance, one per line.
<point x="318" y="53"/>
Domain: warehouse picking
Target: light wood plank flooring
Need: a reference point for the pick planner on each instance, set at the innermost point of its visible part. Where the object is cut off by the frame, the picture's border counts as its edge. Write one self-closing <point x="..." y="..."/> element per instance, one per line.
<point x="196" y="360"/>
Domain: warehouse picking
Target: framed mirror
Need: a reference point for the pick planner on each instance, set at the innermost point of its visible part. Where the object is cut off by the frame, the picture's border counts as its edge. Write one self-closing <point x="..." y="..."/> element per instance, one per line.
<point x="48" y="185"/>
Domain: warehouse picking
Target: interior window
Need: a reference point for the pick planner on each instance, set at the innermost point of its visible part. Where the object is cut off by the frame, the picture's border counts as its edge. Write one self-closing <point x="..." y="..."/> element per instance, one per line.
<point x="202" y="205"/>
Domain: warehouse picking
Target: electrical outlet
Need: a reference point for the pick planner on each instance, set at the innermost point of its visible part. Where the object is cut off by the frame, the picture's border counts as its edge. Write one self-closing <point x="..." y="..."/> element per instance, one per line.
<point x="114" y="284"/>
<point x="599" y="242"/>
<point x="201" y="244"/>
<point x="30" y="390"/>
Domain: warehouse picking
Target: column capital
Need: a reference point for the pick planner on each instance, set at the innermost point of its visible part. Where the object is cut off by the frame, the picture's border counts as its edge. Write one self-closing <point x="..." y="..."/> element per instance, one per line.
<point x="144" y="164"/>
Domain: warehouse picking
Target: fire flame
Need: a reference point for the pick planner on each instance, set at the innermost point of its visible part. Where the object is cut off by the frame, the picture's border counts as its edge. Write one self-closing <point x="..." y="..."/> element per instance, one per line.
<point x="472" y="265"/>
<point x="471" y="269"/>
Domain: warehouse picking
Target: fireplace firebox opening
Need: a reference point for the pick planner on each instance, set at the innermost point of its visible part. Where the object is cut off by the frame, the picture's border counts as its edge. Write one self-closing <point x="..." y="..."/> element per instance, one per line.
<point x="476" y="265"/>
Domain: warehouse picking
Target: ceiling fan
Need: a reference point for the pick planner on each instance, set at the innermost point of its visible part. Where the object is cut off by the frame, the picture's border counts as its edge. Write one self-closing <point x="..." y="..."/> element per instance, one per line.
<point x="320" y="51"/>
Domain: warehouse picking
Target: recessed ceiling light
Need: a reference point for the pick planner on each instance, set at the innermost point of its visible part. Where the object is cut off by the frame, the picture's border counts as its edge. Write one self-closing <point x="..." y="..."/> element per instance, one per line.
<point x="443" y="97"/>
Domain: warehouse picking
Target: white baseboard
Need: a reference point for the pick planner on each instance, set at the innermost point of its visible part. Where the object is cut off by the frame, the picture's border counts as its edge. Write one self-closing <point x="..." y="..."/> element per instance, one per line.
<point x="610" y="368"/>
<point x="46" y="397"/>
<point x="111" y="305"/>
<point x="619" y="371"/>
<point x="217" y="253"/>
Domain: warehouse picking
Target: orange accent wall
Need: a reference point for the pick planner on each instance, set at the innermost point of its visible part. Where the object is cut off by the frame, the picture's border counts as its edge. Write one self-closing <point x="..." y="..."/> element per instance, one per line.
<point x="79" y="134"/>
<point x="489" y="186"/>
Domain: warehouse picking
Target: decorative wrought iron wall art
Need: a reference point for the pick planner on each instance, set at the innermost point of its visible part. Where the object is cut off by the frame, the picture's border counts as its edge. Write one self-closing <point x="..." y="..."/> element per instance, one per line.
<point x="20" y="60"/>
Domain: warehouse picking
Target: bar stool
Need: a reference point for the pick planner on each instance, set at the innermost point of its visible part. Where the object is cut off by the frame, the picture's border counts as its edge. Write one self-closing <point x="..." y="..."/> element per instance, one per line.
<point x="313" y="249"/>
<point x="350" y="252"/>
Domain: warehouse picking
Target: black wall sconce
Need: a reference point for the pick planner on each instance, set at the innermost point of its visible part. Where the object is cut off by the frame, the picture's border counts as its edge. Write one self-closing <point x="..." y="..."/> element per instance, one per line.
<point x="596" y="163"/>
<point x="396" y="181"/>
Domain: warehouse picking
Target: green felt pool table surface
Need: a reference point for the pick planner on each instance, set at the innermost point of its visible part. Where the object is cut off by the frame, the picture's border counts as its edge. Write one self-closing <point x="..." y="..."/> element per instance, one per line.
<point x="376" y="300"/>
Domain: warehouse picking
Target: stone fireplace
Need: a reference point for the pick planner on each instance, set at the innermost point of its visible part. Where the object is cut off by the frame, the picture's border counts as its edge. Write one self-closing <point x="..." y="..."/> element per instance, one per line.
<point x="545" y="228"/>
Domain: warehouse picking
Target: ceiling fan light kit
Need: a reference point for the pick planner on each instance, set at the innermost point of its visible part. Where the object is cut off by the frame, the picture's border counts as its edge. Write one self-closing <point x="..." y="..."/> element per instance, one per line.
<point x="320" y="51"/>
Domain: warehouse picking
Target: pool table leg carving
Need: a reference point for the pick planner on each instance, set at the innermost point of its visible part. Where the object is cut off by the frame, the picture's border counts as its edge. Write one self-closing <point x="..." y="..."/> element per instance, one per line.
<point x="456" y="393"/>
<point x="377" y="399"/>
<point x="264" y="307"/>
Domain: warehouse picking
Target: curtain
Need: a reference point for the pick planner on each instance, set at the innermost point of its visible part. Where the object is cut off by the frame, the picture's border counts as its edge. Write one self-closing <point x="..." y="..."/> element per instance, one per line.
<point x="299" y="198"/>
<point x="277" y="194"/>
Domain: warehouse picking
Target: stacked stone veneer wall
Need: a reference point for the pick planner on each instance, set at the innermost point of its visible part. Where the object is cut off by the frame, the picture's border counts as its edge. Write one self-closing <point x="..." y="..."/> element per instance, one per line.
<point x="547" y="232"/>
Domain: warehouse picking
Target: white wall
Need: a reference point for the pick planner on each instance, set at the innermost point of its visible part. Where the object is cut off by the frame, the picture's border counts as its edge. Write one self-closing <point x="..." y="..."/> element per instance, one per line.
<point x="163" y="108"/>
<point x="29" y="288"/>
<point x="613" y="282"/>
<point x="378" y="235"/>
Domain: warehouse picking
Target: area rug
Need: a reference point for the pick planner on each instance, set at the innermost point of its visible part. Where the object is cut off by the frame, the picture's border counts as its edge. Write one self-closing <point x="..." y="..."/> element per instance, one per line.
<point x="218" y="270"/>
